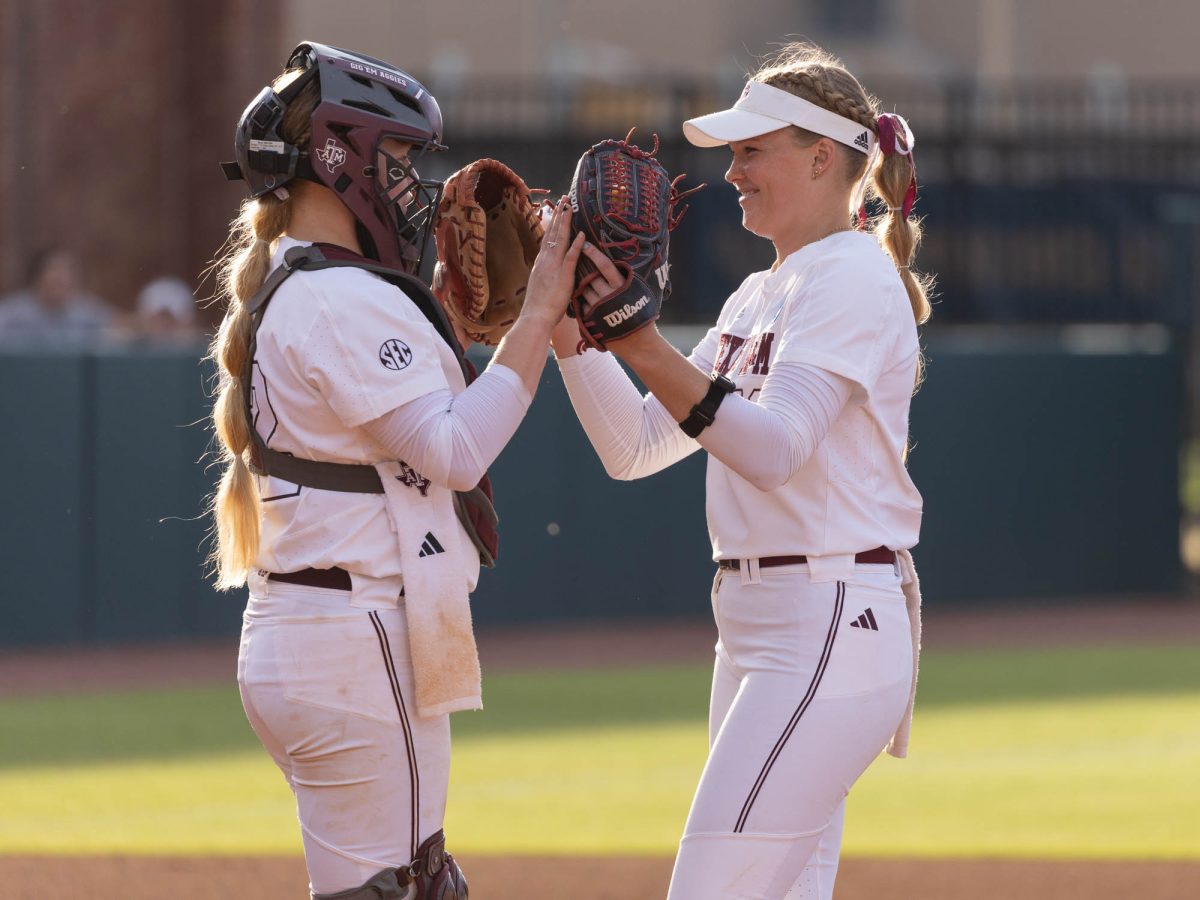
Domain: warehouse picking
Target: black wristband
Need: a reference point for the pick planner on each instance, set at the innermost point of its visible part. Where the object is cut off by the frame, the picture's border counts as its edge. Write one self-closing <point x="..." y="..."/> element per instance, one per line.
<point x="704" y="412"/>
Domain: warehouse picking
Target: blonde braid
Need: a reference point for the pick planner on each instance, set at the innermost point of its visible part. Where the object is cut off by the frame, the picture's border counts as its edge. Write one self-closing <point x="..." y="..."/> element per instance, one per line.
<point x="826" y="96"/>
<point x="241" y="271"/>
<point x="236" y="505"/>
<point x="900" y="236"/>
<point x="809" y="72"/>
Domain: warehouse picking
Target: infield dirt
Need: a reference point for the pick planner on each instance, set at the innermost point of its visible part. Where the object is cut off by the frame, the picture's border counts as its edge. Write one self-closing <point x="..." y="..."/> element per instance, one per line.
<point x="520" y="878"/>
<point x="609" y="878"/>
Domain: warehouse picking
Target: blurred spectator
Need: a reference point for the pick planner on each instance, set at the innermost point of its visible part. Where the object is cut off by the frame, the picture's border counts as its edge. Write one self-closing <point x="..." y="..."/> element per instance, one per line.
<point x="166" y="314"/>
<point x="54" y="310"/>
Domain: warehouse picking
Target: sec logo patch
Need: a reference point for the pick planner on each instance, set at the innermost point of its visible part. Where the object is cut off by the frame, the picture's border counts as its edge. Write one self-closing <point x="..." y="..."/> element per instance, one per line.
<point x="395" y="354"/>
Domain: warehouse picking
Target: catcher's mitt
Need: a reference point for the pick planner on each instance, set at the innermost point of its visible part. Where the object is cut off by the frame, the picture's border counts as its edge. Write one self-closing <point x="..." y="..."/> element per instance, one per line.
<point x="488" y="235"/>
<point x="624" y="202"/>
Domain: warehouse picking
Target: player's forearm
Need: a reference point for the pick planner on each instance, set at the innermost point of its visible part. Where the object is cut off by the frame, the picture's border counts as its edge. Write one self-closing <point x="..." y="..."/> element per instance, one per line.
<point x="565" y="338"/>
<point x="633" y="436"/>
<point x="453" y="439"/>
<point x="524" y="349"/>
<point x="666" y="372"/>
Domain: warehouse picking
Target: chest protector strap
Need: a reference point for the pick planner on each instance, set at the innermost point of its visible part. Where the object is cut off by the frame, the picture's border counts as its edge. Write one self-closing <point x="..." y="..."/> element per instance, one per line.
<point x="474" y="508"/>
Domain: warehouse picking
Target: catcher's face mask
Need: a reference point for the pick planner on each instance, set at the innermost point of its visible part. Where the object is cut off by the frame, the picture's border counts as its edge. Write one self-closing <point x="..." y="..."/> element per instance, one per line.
<point x="366" y="107"/>
<point x="407" y="199"/>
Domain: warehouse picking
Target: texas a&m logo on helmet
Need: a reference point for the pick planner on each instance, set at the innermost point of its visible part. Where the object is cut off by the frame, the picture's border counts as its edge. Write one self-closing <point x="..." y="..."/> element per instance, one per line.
<point x="331" y="154"/>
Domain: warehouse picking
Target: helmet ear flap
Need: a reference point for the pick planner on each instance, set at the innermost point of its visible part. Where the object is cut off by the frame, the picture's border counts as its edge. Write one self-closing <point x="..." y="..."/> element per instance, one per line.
<point x="265" y="161"/>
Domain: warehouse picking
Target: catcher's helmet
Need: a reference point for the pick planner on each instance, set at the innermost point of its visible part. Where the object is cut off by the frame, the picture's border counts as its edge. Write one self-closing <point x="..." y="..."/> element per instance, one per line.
<point x="363" y="102"/>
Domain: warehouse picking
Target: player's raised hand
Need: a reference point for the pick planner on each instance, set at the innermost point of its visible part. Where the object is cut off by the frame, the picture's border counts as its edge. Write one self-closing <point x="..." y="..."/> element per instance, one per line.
<point x="610" y="281"/>
<point x="553" y="275"/>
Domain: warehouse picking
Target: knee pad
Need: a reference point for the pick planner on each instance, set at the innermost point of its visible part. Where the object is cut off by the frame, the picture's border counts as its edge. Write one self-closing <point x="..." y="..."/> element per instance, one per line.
<point x="432" y="875"/>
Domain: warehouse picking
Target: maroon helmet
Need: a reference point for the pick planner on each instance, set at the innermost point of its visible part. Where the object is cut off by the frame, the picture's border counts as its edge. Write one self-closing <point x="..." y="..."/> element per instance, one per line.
<point x="363" y="102"/>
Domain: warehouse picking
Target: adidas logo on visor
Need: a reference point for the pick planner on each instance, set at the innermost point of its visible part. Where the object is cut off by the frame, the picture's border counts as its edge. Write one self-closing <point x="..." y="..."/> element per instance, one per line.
<point x="862" y="141"/>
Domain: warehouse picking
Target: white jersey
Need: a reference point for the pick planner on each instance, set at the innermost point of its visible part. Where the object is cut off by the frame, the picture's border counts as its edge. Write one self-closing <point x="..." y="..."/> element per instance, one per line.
<point x="337" y="348"/>
<point x="837" y="304"/>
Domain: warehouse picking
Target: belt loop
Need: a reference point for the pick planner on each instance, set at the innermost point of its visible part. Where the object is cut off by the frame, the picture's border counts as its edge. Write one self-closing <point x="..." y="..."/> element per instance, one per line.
<point x="749" y="570"/>
<point x="260" y="586"/>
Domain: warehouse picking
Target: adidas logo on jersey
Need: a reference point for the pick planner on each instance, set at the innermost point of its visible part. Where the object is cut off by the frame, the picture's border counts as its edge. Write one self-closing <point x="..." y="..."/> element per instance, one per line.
<point x="866" y="620"/>
<point x="430" y="546"/>
<point x="862" y="141"/>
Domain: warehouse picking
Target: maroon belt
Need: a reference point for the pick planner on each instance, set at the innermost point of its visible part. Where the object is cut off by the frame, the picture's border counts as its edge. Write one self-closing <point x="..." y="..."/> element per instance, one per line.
<point x="334" y="579"/>
<point x="880" y="555"/>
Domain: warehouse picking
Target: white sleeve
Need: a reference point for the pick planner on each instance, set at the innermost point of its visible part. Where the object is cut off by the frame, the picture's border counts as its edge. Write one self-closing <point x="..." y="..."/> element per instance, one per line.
<point x="370" y="353"/>
<point x="768" y="441"/>
<point x="634" y="436"/>
<point x="704" y="354"/>
<point x="450" y="439"/>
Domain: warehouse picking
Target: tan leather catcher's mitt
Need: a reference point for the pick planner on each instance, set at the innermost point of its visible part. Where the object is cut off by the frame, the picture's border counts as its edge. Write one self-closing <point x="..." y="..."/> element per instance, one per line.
<point x="488" y="234"/>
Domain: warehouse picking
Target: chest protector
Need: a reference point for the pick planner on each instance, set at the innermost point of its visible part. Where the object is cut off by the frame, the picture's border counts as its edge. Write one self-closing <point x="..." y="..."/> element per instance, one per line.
<point x="474" y="508"/>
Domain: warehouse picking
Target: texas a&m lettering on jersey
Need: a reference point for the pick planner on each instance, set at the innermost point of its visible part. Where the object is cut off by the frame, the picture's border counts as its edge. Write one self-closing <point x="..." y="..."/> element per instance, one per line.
<point x="726" y="351"/>
<point x="751" y="359"/>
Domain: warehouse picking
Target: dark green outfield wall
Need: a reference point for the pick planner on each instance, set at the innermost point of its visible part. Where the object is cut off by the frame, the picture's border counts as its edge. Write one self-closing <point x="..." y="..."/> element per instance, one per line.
<point x="1046" y="474"/>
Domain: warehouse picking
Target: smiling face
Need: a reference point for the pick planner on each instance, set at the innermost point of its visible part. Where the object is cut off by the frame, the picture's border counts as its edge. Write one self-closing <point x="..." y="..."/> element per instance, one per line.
<point x="789" y="192"/>
<point x="773" y="177"/>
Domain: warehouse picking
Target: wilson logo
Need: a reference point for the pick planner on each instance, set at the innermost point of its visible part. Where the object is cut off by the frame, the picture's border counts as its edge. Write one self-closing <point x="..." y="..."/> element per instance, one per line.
<point x="662" y="273"/>
<point x="616" y="317"/>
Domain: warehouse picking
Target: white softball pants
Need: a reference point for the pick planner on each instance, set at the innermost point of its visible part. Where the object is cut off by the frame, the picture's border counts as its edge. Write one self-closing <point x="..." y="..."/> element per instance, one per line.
<point x="328" y="690"/>
<point x="810" y="682"/>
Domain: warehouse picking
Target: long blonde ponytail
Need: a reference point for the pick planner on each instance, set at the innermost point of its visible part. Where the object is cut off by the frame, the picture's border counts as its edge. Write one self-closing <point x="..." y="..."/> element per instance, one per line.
<point x="898" y="234"/>
<point x="236" y="506"/>
<point x="241" y="271"/>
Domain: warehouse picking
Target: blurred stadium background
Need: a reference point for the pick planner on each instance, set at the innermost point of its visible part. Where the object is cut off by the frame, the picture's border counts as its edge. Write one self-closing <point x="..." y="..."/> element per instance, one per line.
<point x="1056" y="436"/>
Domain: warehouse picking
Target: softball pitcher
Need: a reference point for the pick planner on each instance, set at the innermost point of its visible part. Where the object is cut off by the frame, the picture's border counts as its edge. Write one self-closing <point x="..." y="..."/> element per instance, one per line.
<point x="800" y="394"/>
<point x="354" y="499"/>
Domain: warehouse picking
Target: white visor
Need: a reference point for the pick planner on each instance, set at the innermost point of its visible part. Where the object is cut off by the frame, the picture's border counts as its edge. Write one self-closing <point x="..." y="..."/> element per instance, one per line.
<point x="762" y="109"/>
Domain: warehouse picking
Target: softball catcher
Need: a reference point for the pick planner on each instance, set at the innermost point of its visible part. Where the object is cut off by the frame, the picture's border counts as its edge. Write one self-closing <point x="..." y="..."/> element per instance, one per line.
<point x="800" y="394"/>
<point x="355" y="501"/>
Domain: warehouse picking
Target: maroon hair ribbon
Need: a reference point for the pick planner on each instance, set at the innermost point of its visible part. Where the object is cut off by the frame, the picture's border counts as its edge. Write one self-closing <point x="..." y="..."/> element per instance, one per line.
<point x="896" y="137"/>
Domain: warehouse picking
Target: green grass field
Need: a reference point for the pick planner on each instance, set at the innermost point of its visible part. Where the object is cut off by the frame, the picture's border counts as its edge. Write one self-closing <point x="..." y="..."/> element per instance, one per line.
<point x="1089" y="752"/>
